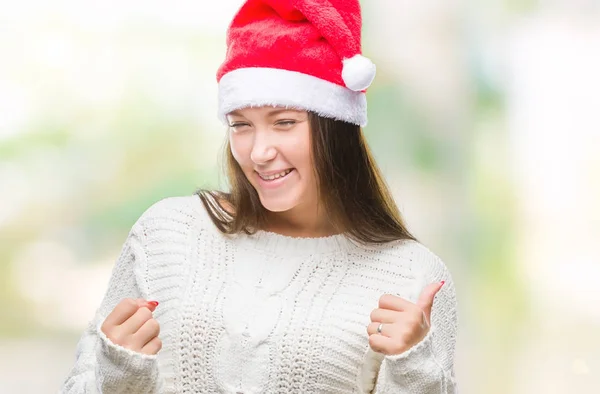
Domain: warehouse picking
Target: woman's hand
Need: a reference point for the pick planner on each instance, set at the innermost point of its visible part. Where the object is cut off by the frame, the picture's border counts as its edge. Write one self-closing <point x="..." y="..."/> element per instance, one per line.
<point x="131" y="325"/>
<point x="404" y="324"/>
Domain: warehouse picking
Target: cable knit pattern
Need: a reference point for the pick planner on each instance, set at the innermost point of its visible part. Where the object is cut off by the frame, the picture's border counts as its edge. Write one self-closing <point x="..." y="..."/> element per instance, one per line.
<point x="264" y="313"/>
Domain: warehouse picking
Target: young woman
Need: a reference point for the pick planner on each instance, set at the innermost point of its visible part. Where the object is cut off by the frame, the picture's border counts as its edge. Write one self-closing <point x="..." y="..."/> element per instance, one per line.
<point x="303" y="277"/>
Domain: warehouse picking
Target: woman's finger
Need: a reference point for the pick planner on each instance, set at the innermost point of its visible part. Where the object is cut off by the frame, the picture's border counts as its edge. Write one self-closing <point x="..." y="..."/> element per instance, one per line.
<point x="126" y="308"/>
<point x="372" y="329"/>
<point x="383" y="344"/>
<point x="152" y="347"/>
<point x="394" y="303"/>
<point x="141" y="302"/>
<point x="385" y="316"/>
<point x="149" y="330"/>
<point x="133" y="324"/>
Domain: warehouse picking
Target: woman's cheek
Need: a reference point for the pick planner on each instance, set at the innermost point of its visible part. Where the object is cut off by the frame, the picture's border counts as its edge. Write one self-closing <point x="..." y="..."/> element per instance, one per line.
<point x="237" y="150"/>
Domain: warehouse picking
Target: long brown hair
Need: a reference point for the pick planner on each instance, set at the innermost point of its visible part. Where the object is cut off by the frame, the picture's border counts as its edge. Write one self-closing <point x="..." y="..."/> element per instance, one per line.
<point x="350" y="186"/>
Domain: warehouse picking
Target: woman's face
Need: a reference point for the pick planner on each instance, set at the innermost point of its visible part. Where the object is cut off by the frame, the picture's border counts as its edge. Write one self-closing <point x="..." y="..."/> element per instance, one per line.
<point x="272" y="146"/>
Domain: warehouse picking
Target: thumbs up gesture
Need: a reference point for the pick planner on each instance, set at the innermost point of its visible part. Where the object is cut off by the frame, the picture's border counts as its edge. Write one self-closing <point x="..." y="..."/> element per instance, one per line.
<point x="398" y="324"/>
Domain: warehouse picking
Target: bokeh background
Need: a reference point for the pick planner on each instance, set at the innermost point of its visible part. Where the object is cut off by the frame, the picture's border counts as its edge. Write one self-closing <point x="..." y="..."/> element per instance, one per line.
<point x="484" y="116"/>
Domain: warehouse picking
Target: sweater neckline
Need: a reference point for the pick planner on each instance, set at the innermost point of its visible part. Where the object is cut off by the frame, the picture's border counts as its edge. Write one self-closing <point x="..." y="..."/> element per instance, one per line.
<point x="278" y="243"/>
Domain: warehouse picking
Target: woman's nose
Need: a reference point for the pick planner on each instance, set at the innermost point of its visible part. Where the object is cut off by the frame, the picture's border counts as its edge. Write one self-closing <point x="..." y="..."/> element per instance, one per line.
<point x="262" y="151"/>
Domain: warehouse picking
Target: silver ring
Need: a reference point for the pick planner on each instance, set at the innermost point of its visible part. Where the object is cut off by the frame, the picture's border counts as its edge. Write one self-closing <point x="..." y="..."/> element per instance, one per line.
<point x="379" y="328"/>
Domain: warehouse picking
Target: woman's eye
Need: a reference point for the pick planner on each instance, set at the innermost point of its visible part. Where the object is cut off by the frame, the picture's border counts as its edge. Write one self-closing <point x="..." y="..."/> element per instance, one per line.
<point x="286" y="123"/>
<point x="237" y="126"/>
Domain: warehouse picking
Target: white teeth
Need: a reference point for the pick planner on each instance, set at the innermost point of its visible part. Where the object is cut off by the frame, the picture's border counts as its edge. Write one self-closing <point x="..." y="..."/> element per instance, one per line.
<point x="275" y="176"/>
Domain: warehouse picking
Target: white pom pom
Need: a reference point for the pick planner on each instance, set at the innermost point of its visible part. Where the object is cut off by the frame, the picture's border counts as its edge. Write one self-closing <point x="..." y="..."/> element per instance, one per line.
<point x="358" y="72"/>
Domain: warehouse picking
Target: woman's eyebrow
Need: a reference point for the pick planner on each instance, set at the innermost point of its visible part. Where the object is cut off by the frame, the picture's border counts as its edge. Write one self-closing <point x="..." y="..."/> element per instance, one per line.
<point x="280" y="110"/>
<point x="269" y="114"/>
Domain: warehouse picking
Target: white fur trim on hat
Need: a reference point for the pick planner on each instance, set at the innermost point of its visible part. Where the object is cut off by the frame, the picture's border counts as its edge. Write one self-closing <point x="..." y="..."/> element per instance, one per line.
<point x="255" y="87"/>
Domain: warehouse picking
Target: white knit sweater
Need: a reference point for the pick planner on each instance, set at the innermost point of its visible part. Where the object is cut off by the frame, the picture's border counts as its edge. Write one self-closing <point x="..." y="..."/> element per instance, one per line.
<point x="264" y="313"/>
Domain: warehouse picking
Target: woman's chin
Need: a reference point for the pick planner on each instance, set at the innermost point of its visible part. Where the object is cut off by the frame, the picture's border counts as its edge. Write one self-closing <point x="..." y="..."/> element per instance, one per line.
<point x="278" y="205"/>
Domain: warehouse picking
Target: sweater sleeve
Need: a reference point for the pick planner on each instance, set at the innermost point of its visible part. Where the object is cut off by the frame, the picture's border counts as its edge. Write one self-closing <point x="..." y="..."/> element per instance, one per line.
<point x="102" y="366"/>
<point x="427" y="367"/>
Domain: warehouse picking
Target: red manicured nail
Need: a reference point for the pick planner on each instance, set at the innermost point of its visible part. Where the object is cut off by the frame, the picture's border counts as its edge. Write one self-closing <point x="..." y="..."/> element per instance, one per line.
<point x="153" y="303"/>
<point x="442" y="282"/>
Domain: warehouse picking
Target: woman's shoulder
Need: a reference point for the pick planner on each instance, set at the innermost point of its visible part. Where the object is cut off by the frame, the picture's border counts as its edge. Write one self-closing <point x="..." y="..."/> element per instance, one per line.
<point x="413" y="260"/>
<point x="415" y="256"/>
<point x="175" y="211"/>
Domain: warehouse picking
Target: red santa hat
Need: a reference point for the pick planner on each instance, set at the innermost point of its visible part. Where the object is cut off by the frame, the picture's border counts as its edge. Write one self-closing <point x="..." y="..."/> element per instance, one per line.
<point x="302" y="54"/>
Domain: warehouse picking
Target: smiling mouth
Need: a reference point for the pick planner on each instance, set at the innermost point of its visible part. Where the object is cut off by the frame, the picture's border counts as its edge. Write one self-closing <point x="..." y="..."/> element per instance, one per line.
<point x="275" y="176"/>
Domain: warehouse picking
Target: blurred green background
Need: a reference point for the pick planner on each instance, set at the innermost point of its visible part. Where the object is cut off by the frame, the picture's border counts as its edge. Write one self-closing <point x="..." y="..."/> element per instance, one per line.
<point x="483" y="116"/>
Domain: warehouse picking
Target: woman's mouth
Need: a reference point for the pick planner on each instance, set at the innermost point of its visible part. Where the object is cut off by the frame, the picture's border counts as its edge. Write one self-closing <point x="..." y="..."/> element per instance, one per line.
<point x="272" y="177"/>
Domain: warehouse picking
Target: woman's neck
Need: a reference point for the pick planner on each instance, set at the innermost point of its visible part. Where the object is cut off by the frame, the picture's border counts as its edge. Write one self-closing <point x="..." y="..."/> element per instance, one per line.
<point x="300" y="223"/>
